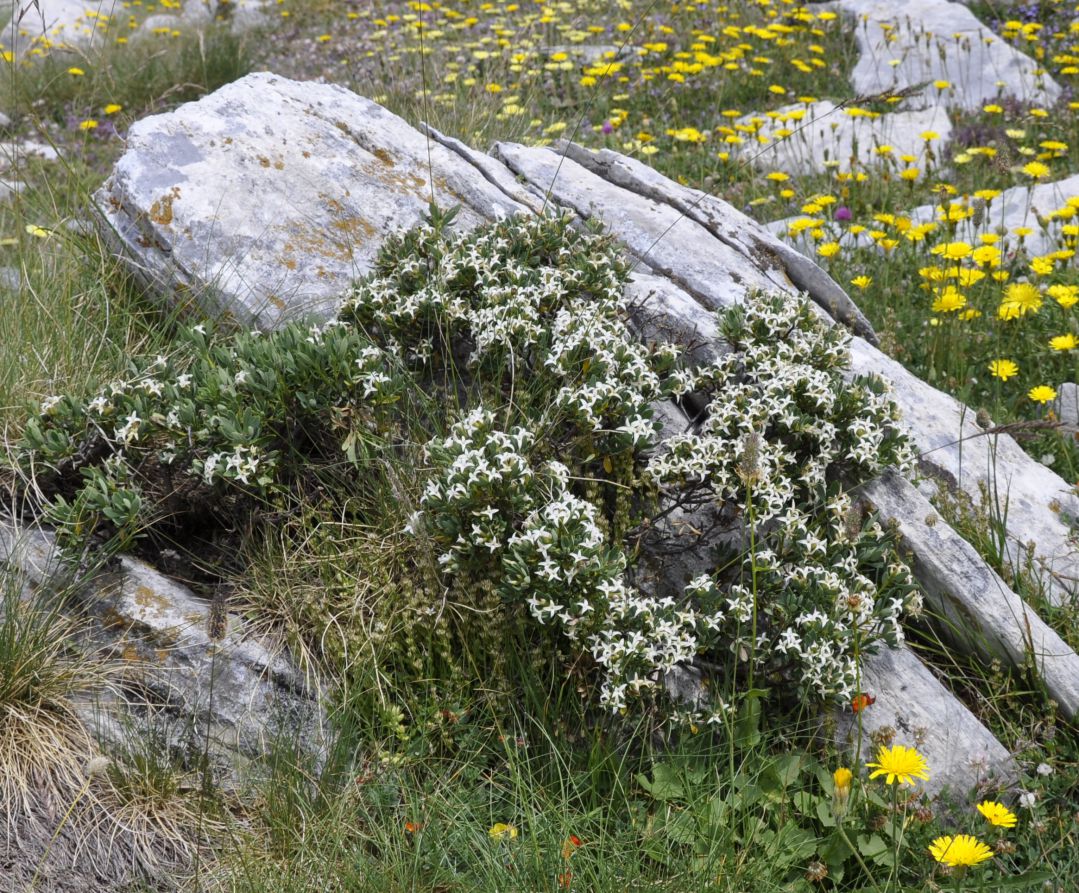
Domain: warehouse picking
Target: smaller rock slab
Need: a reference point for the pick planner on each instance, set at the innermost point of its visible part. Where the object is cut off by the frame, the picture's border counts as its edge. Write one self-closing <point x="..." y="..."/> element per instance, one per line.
<point x="911" y="44"/>
<point x="980" y="611"/>
<point x="915" y="710"/>
<point x="1018" y="208"/>
<point x="160" y="631"/>
<point x="819" y="136"/>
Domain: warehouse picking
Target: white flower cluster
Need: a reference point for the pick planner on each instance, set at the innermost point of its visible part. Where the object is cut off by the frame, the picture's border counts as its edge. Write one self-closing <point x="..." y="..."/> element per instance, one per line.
<point x="560" y="321"/>
<point x="784" y="431"/>
<point x="240" y="465"/>
<point x="484" y="480"/>
<point x="560" y="557"/>
<point x="556" y="556"/>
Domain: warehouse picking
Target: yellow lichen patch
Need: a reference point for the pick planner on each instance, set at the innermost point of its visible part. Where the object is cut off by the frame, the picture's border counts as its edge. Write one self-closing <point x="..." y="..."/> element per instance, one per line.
<point x="161" y="210"/>
<point x="145" y="597"/>
<point x="383" y="156"/>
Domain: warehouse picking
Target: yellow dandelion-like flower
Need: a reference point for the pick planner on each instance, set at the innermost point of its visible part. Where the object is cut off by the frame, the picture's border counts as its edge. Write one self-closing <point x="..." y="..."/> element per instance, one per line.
<point x="502" y="831"/>
<point x="960" y="851"/>
<point x="1036" y="170"/>
<point x="1042" y="393"/>
<point x="841" y="793"/>
<point x="899" y="763"/>
<point x="829" y="249"/>
<point x="997" y="814"/>
<point x="1020" y="298"/>
<point x="1065" y="295"/>
<point x="862" y="282"/>
<point x="1063" y="342"/>
<point x="953" y="250"/>
<point x="1003" y="369"/>
<point x="949" y="300"/>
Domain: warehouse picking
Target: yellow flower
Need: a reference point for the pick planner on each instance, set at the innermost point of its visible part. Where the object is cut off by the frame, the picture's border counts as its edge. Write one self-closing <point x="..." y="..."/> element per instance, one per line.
<point x="899" y="763"/>
<point x="961" y="850"/>
<point x="502" y="831"/>
<point x="88" y="124"/>
<point x="828" y="249"/>
<point x="949" y="300"/>
<point x="1020" y="298"/>
<point x="112" y="108"/>
<point x="910" y="174"/>
<point x="1065" y="295"/>
<point x="76" y="72"/>
<point x="953" y="250"/>
<point x="1041" y="266"/>
<point x="1036" y="170"/>
<point x="862" y="282"/>
<point x="997" y="814"/>
<point x="1042" y="394"/>
<point x="1003" y="369"/>
<point x="1063" y="342"/>
<point x="841" y="793"/>
<point x="986" y="255"/>
<point x="687" y="135"/>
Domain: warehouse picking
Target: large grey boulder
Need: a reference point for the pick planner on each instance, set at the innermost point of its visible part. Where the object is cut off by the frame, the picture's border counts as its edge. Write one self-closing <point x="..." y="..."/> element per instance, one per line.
<point x="58" y="22"/>
<point x="978" y="611"/>
<point x="911" y="44"/>
<point x="693" y="253"/>
<point x="818" y="136"/>
<point x="257" y="200"/>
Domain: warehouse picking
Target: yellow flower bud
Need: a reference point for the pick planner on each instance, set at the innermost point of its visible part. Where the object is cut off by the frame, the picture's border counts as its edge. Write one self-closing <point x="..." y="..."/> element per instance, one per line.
<point x="841" y="795"/>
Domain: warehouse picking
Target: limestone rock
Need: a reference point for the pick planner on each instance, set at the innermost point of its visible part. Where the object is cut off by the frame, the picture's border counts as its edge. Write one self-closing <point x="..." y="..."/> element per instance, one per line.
<point x="1020" y="206"/>
<point x="83" y="22"/>
<point x="1026" y="207"/>
<point x="160" y="630"/>
<point x="10" y="279"/>
<point x="17" y="151"/>
<point x="991" y="469"/>
<point x="908" y="45"/>
<point x="590" y="53"/>
<point x="1067" y="405"/>
<point x="805" y="139"/>
<point x="980" y="611"/>
<point x="267" y="197"/>
<point x="920" y="712"/>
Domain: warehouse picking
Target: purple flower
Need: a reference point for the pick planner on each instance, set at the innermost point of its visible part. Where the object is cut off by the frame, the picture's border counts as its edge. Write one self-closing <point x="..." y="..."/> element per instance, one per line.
<point x="608" y="127"/>
<point x="843" y="214"/>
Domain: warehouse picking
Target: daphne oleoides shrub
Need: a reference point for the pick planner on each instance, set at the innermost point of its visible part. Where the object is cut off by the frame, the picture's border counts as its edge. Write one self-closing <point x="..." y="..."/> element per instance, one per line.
<point x="546" y="468"/>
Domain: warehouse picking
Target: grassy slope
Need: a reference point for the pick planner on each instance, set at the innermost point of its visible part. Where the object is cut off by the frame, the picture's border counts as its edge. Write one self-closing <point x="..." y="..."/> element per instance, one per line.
<point x="409" y="802"/>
